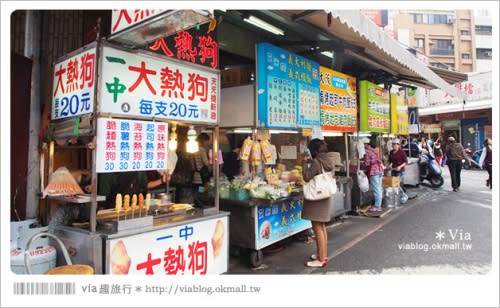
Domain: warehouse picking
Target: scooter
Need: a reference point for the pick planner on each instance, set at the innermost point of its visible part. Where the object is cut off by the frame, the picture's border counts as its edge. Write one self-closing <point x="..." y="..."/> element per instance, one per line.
<point x="471" y="160"/>
<point x="430" y="171"/>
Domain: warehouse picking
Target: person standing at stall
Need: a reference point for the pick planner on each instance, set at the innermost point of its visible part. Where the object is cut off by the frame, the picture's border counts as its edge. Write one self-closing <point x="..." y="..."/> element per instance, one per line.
<point x="455" y="153"/>
<point x="374" y="169"/>
<point x="200" y="163"/>
<point x="397" y="161"/>
<point x="486" y="160"/>
<point x="317" y="211"/>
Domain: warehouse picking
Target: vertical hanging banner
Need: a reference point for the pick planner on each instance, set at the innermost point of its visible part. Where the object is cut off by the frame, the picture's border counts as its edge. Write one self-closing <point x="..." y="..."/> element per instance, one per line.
<point x="411" y="97"/>
<point x="138" y="84"/>
<point x="74" y="83"/>
<point x="374" y="108"/>
<point x="129" y="145"/>
<point x="413" y="127"/>
<point x="399" y="114"/>
<point x="338" y="101"/>
<point x="288" y="89"/>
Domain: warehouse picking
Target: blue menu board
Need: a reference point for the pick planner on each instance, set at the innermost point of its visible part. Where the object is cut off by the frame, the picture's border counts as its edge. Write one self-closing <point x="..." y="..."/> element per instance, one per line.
<point x="288" y="89"/>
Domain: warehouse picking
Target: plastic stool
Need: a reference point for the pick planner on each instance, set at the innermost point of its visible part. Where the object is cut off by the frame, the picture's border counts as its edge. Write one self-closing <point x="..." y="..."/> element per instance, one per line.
<point x="68" y="269"/>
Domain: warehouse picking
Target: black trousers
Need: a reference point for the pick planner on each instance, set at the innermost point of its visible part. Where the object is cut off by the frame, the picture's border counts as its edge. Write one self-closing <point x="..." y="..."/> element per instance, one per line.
<point x="488" y="168"/>
<point x="455" y="167"/>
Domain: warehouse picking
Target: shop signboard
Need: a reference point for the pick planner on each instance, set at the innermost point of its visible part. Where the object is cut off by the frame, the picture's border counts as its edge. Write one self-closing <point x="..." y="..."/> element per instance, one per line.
<point x="288" y="89"/>
<point x="124" y="19"/>
<point x="338" y="101"/>
<point x="142" y="85"/>
<point x="130" y="145"/>
<point x="432" y="128"/>
<point x="399" y="114"/>
<point x="74" y="84"/>
<point x="278" y="221"/>
<point x="411" y="97"/>
<point x="197" y="45"/>
<point x="192" y="248"/>
<point x="374" y="108"/>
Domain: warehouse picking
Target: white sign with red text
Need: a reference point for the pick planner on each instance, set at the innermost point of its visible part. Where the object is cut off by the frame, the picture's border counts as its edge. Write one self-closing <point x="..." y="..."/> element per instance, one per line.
<point x="198" y="248"/>
<point x="135" y="84"/>
<point x="123" y="19"/>
<point x="129" y="145"/>
<point x="73" y="86"/>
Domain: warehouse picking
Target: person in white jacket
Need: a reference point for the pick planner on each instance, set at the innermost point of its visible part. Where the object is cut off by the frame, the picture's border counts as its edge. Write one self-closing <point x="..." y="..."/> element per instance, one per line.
<point x="486" y="159"/>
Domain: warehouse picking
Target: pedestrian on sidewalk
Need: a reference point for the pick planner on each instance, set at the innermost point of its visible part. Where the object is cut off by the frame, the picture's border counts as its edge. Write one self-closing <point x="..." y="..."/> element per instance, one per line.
<point x="397" y="162"/>
<point x="455" y="153"/>
<point x="317" y="211"/>
<point x="374" y="169"/>
<point x="486" y="160"/>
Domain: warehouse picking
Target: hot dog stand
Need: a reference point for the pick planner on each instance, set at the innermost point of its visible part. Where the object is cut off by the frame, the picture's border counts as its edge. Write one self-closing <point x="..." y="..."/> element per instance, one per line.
<point x="120" y="115"/>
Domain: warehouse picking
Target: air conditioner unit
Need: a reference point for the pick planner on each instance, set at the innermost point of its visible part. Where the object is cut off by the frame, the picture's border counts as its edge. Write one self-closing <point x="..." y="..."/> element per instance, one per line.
<point x="450" y="20"/>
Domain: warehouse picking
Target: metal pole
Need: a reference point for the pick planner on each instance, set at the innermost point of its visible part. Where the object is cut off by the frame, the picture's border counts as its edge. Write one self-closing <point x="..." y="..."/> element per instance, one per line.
<point x="346" y="154"/>
<point x="215" y="159"/>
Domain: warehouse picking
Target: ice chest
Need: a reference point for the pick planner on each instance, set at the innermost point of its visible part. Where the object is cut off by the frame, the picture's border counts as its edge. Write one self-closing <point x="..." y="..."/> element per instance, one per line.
<point x="390" y="181"/>
<point x="391" y="197"/>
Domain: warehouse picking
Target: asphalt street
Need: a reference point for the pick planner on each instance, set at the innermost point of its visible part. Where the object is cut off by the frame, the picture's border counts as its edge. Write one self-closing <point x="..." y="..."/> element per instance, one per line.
<point x="438" y="232"/>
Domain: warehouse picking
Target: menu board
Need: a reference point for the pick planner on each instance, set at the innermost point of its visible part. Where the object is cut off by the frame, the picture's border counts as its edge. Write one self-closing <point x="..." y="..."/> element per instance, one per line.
<point x="129" y="145"/>
<point x="338" y="101"/>
<point x="374" y="108"/>
<point x="288" y="89"/>
<point x="73" y="86"/>
<point x="136" y="84"/>
<point x="399" y="114"/>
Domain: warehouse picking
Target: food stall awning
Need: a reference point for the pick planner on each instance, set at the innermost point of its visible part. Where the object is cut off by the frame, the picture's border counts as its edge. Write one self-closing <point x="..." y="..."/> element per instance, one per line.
<point x="450" y="77"/>
<point x="374" y="46"/>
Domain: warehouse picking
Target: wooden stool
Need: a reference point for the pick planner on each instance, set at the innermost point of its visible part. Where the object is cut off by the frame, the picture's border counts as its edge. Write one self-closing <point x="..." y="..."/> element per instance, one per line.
<point x="69" y="269"/>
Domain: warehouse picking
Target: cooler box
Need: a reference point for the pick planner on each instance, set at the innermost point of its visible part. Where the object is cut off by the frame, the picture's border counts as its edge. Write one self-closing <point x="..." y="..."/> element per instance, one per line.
<point x="390" y="181"/>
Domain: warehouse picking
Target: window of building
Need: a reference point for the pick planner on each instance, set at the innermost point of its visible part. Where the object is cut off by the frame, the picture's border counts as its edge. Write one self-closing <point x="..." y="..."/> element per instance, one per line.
<point x="419" y="43"/>
<point x="441" y="65"/>
<point x="432" y="19"/>
<point x="417" y="18"/>
<point x="464" y="32"/>
<point x="483" y="53"/>
<point x="466" y="56"/>
<point x="443" y="47"/>
<point x="483" y="30"/>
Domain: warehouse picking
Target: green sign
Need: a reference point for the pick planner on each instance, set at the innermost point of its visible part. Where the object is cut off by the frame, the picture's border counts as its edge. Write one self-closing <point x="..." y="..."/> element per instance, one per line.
<point x="374" y="108"/>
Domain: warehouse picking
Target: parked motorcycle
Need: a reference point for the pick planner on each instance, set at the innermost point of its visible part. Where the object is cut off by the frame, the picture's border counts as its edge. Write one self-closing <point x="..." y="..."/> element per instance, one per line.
<point x="430" y="171"/>
<point x="471" y="160"/>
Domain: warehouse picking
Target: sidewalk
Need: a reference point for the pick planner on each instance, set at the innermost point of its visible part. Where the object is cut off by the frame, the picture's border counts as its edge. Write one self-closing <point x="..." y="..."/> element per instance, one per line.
<point x="289" y="255"/>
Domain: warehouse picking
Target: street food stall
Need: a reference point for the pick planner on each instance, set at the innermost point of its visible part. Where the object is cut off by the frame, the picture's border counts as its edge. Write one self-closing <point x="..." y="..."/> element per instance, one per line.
<point x="120" y="111"/>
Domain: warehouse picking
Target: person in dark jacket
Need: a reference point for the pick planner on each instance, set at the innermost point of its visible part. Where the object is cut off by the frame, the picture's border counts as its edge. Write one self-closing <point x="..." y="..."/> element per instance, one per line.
<point x="317" y="211"/>
<point x="486" y="160"/>
<point x="455" y="153"/>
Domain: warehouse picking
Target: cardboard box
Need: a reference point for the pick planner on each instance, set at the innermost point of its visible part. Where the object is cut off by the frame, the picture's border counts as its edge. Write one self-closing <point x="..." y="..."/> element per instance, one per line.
<point x="390" y="181"/>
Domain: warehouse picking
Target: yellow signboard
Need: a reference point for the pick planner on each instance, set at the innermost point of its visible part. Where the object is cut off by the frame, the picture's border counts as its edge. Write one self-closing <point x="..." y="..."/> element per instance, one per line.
<point x="338" y="101"/>
<point x="399" y="114"/>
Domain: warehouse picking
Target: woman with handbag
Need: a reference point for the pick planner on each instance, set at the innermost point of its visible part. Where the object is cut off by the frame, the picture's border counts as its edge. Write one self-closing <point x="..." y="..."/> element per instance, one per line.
<point x="317" y="211"/>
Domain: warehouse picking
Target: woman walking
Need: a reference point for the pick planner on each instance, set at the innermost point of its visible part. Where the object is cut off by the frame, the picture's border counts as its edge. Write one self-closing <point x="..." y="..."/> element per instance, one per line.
<point x="317" y="211"/>
<point x="486" y="160"/>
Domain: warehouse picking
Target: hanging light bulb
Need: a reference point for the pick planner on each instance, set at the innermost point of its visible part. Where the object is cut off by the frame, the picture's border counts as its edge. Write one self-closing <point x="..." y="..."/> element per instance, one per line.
<point x="172" y="143"/>
<point x="192" y="144"/>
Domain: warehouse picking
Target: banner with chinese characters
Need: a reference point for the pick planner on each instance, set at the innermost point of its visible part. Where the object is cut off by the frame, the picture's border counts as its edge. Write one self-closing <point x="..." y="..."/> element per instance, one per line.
<point x="129" y="145"/>
<point x="197" y="45"/>
<point x="374" y="108"/>
<point x="136" y="84"/>
<point x="74" y="83"/>
<point x="198" y="248"/>
<point x="288" y="89"/>
<point x="399" y="114"/>
<point x="338" y="101"/>
<point x="123" y="19"/>
<point x="278" y="221"/>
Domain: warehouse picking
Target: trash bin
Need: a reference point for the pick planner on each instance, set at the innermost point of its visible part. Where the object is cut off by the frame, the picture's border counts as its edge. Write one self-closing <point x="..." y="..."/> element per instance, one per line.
<point x="391" y="197"/>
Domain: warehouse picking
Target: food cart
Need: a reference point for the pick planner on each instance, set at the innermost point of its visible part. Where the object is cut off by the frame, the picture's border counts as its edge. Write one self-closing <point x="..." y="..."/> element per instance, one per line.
<point x="120" y="115"/>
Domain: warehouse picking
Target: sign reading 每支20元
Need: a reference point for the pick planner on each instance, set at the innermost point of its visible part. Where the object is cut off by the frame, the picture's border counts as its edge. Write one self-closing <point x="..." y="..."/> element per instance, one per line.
<point x="138" y="84"/>
<point x="73" y="86"/>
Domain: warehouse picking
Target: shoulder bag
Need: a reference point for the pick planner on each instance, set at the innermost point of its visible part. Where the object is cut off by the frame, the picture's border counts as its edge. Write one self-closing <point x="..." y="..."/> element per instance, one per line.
<point x="320" y="187"/>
